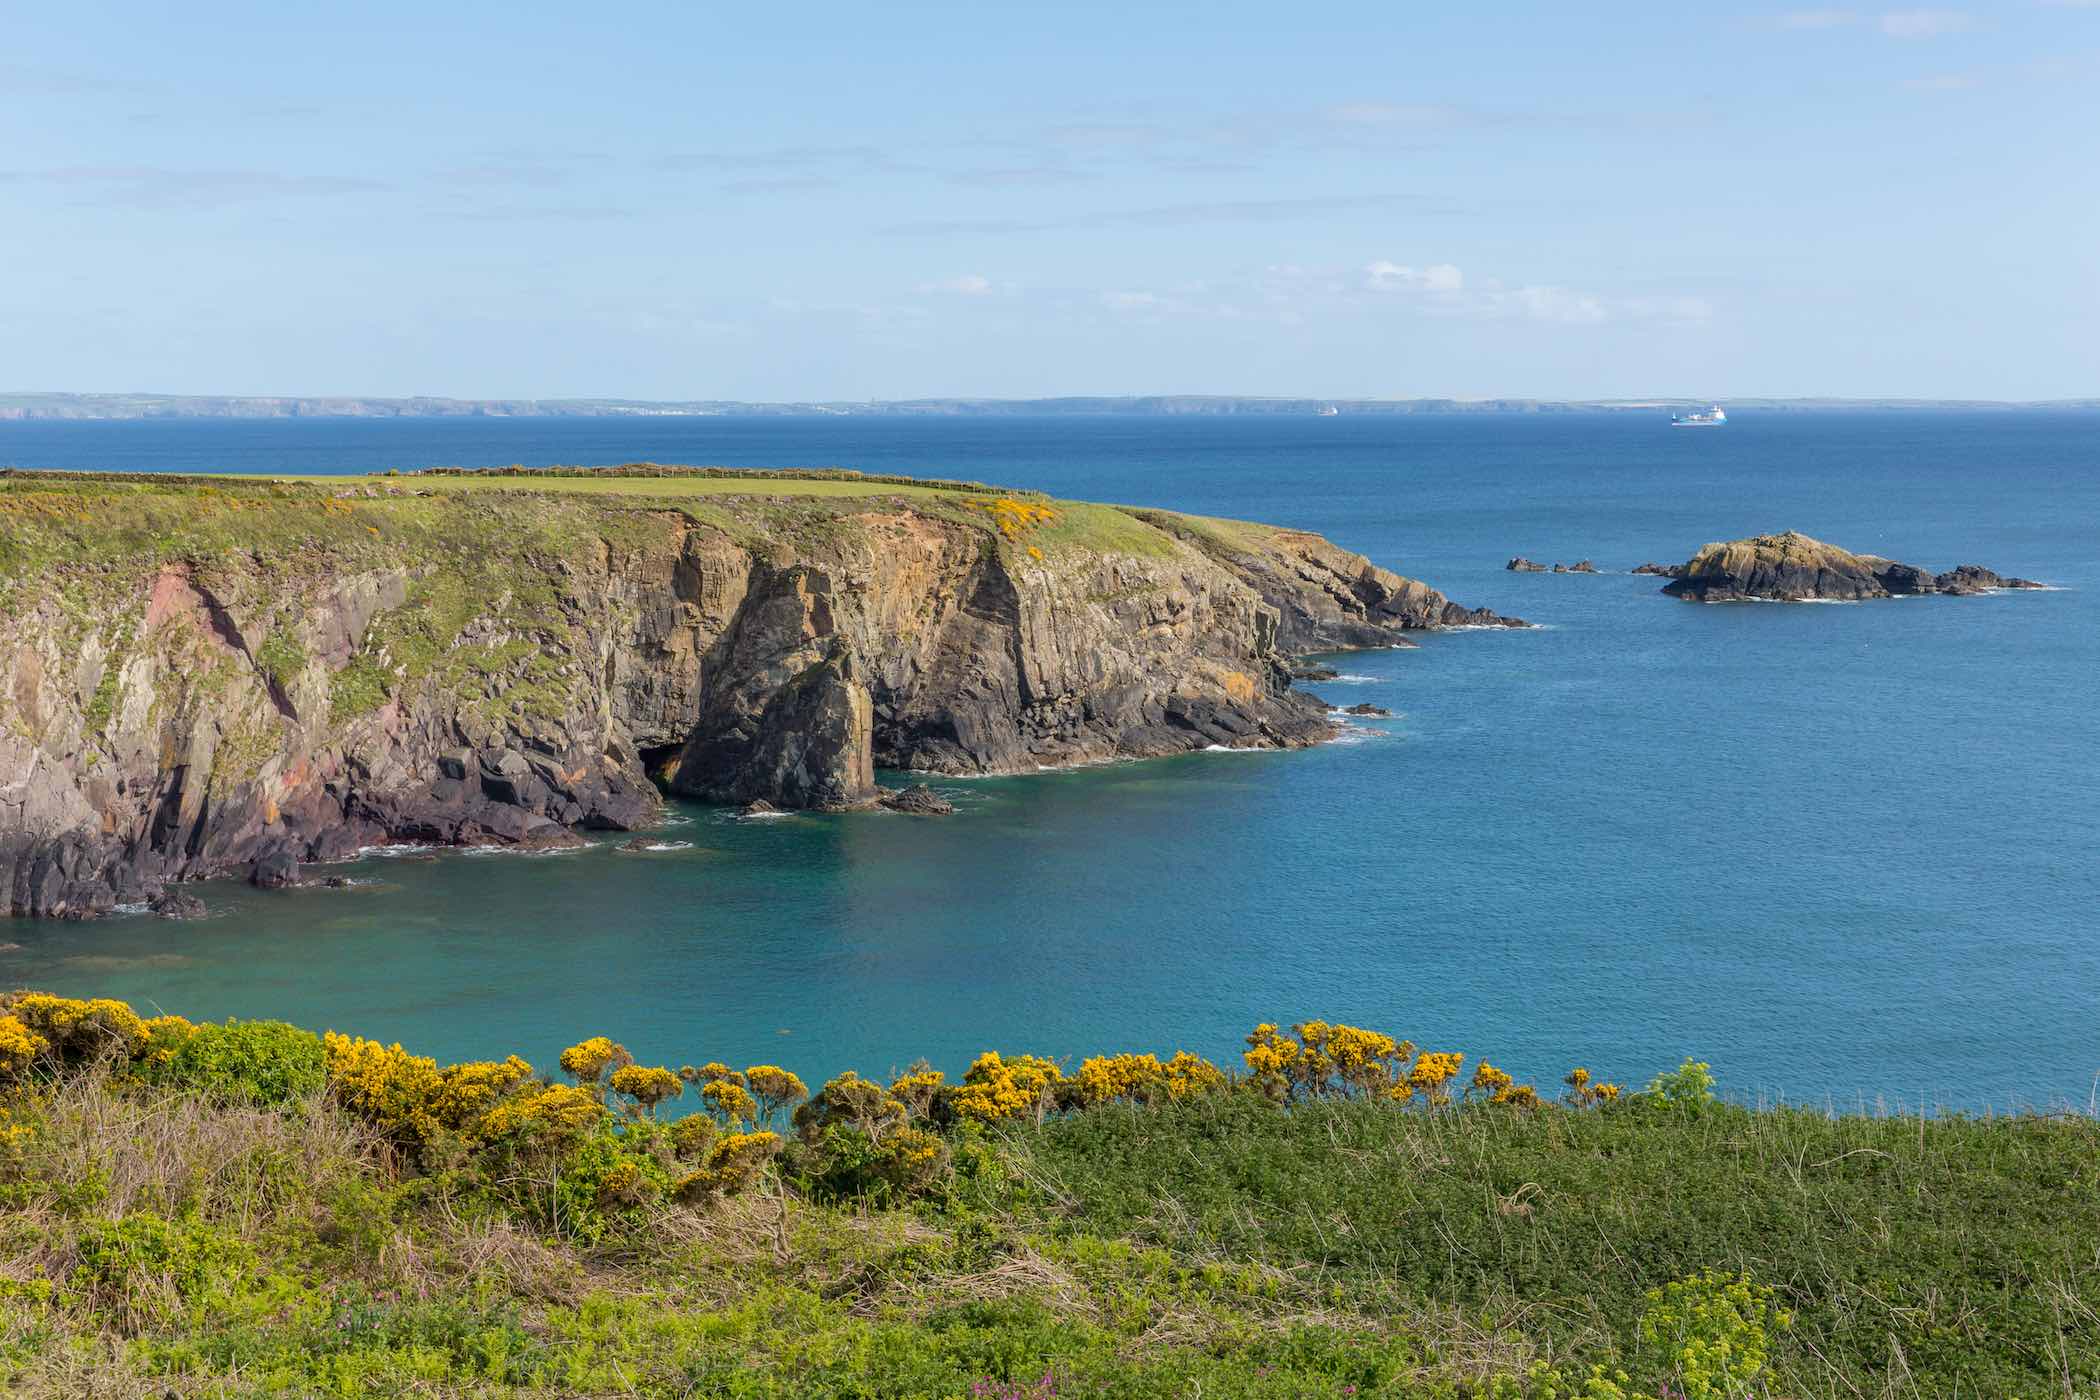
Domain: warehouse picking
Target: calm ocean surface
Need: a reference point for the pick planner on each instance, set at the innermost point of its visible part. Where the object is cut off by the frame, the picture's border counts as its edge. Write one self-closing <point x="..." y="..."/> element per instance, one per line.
<point x="1841" y="852"/>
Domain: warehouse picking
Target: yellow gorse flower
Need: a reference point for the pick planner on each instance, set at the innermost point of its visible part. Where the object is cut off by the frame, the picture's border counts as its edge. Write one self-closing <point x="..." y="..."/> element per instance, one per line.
<point x="996" y="1088"/>
<point x="1013" y="518"/>
<point x="588" y="1060"/>
<point x="647" y="1085"/>
<point x="19" y="1047"/>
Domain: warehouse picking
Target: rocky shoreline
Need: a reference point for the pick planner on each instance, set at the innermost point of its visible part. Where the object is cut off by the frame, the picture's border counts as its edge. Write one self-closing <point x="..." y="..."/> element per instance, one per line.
<point x="211" y="677"/>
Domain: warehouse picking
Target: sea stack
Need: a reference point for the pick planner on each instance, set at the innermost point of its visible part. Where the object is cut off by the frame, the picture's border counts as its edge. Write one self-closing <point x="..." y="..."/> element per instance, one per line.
<point x="1794" y="568"/>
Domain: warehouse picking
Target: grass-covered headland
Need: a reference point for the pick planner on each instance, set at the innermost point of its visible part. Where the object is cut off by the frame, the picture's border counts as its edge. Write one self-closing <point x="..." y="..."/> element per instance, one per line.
<point x="251" y="1209"/>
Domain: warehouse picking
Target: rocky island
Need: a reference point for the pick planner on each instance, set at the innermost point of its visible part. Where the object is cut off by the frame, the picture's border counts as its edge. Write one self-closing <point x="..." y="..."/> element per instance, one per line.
<point x="208" y="676"/>
<point x="1791" y="567"/>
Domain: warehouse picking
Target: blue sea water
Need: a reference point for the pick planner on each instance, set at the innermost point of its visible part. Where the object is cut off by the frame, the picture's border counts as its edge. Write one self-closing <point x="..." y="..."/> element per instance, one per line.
<point x="1844" y="853"/>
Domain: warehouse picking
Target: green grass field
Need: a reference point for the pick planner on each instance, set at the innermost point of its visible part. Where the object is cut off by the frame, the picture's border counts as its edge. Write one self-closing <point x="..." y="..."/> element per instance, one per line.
<point x="239" y="1210"/>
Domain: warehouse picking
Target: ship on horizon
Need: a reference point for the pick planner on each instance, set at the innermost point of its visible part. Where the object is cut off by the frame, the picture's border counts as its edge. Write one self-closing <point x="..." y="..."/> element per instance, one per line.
<point x="1710" y="416"/>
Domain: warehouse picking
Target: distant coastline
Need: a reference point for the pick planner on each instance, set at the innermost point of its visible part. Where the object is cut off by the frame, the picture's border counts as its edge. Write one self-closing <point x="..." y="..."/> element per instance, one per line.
<point x="57" y="406"/>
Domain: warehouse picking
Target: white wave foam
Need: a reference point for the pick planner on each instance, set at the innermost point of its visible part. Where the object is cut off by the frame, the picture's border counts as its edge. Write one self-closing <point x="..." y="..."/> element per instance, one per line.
<point x="518" y="851"/>
<point x="668" y="846"/>
<point x="131" y="908"/>
<point x="402" y="848"/>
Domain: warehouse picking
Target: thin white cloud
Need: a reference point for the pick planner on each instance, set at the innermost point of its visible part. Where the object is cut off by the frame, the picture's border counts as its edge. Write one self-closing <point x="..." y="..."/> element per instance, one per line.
<point x="968" y="284"/>
<point x="1442" y="279"/>
<point x="1925" y="24"/>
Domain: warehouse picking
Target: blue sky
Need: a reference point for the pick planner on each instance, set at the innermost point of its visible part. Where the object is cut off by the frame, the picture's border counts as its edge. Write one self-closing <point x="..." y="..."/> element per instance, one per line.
<point x="818" y="201"/>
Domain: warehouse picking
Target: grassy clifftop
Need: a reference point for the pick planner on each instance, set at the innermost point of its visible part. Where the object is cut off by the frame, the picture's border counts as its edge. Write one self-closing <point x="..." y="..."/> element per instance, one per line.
<point x="249" y="1210"/>
<point x="67" y="521"/>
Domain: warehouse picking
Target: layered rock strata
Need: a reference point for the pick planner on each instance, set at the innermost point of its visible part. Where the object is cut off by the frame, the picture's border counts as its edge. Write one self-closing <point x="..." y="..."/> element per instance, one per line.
<point x="203" y="678"/>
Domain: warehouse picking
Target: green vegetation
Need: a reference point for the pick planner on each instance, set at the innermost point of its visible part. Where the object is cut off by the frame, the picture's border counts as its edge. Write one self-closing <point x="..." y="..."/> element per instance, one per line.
<point x="250" y="1209"/>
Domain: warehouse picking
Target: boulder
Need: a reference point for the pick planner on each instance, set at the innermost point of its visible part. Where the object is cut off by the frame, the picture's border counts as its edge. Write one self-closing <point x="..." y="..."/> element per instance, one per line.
<point x="1313" y="673"/>
<point x="1374" y="711"/>
<point x="918" y="799"/>
<point x="1967" y="579"/>
<point x="1521" y="565"/>
<point x="1661" y="570"/>
<point x="174" y="904"/>
<point x="1582" y="566"/>
<point x="276" y="871"/>
<point x="759" y="807"/>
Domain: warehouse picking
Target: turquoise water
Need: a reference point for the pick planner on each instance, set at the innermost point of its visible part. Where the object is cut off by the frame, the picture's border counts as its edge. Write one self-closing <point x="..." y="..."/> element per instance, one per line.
<point x="1838" y="851"/>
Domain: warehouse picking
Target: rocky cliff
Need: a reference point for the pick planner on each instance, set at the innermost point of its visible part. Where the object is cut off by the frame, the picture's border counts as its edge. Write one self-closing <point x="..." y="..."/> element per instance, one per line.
<point x="1794" y="568"/>
<point x="205" y="676"/>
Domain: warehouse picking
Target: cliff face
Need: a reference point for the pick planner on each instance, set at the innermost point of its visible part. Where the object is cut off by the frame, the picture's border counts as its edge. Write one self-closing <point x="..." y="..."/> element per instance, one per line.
<point x="200" y="678"/>
<point x="1791" y="567"/>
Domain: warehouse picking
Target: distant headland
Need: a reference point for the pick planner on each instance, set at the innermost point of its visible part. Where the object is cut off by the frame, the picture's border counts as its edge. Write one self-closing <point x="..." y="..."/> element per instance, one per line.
<point x="50" y="406"/>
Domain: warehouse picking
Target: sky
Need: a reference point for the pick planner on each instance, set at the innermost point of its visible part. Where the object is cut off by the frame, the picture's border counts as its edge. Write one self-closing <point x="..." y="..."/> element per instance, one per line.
<point x="816" y="201"/>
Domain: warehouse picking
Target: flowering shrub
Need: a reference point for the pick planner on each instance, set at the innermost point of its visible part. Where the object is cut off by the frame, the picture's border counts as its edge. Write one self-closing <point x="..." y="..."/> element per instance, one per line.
<point x="734" y="1164"/>
<point x="587" y="1061"/>
<point x="1582" y="1093"/>
<point x="995" y="1088"/>
<point x="19" y="1047"/>
<point x="856" y="1139"/>
<point x="1712" y="1331"/>
<point x="918" y="1089"/>
<point x="1143" y="1079"/>
<point x="79" y="1031"/>
<point x="730" y="1101"/>
<point x="1013" y="518"/>
<point x="648" y="1086"/>
<point x="1431" y="1076"/>
<point x="545" y="1117"/>
<point x="774" y="1088"/>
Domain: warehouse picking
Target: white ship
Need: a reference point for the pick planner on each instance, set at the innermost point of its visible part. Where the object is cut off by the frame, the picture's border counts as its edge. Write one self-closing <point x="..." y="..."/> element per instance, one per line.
<point x="1710" y="416"/>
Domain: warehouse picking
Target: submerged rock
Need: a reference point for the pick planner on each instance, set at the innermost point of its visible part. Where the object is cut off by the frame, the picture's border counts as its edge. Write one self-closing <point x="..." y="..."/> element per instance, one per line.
<point x="1661" y="570"/>
<point x="1792" y="567"/>
<point x="919" y="800"/>
<point x="174" y="904"/>
<point x="759" y="807"/>
<point x="1521" y="565"/>
<point x="1582" y="566"/>
<point x="1966" y="579"/>
<point x="1377" y="711"/>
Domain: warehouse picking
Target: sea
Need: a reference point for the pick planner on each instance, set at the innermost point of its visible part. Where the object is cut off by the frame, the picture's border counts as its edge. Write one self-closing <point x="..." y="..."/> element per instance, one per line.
<point x="1849" y="855"/>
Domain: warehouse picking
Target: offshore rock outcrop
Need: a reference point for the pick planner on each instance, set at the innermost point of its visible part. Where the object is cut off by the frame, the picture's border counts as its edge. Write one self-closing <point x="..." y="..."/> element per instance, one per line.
<point x="205" y="678"/>
<point x="1791" y="567"/>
